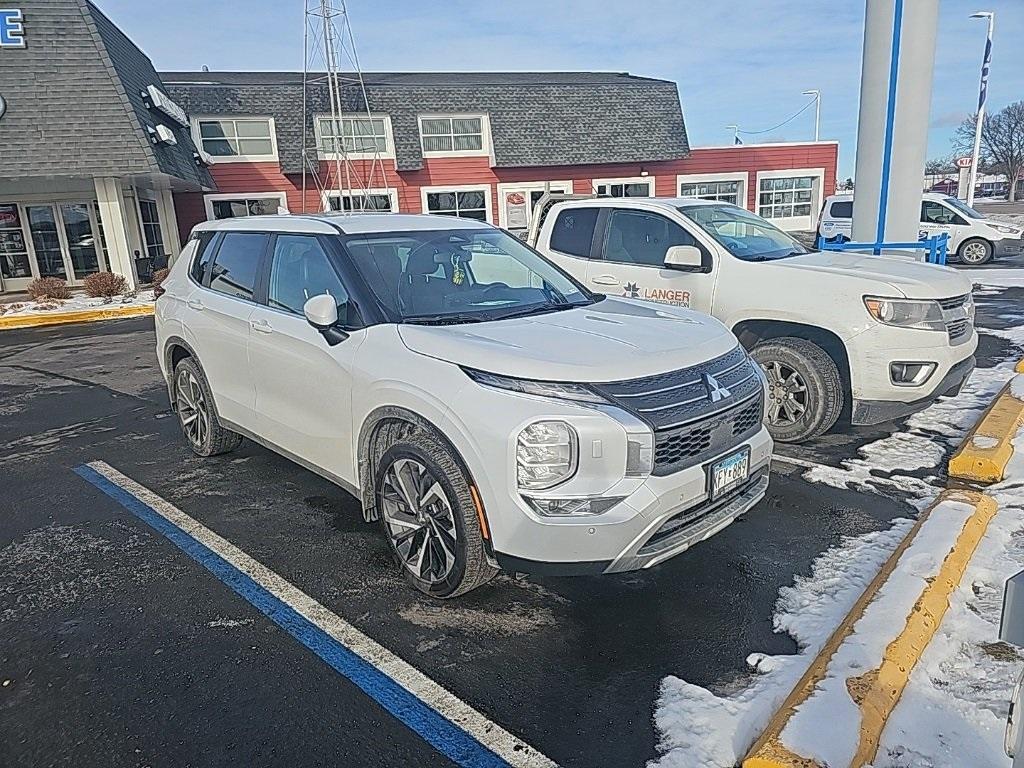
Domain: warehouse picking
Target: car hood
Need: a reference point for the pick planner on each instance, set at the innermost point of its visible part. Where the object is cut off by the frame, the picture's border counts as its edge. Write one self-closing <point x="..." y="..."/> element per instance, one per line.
<point x="914" y="279"/>
<point x="611" y="340"/>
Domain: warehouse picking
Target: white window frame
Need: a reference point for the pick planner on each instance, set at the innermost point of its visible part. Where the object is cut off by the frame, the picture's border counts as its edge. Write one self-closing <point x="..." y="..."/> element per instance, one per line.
<point x="208" y="200"/>
<point x="485" y="135"/>
<point x="741" y="177"/>
<point x="198" y="139"/>
<point x="505" y="187"/>
<point x="389" y="137"/>
<point x="648" y="180"/>
<point x="793" y="223"/>
<point x="485" y="188"/>
<point x="329" y="193"/>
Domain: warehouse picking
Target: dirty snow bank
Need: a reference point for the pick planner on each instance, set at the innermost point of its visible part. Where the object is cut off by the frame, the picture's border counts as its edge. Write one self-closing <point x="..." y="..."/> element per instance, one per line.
<point x="76" y="303"/>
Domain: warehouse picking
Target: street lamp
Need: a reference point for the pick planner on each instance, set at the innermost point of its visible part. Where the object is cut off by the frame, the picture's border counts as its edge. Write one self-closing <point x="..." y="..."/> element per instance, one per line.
<point x="735" y="134"/>
<point x="817" y="109"/>
<point x="982" y="94"/>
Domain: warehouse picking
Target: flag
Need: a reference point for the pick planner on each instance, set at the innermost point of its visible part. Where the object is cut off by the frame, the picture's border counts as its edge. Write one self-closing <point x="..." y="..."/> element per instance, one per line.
<point x="737" y="140"/>
<point x="983" y="92"/>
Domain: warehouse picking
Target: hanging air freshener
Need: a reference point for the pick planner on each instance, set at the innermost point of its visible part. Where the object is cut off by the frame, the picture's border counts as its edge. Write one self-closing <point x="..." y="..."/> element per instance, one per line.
<point x="458" y="273"/>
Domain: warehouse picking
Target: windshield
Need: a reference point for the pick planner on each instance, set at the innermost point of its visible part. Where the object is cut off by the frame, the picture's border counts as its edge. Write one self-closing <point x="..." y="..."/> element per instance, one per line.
<point x="745" y="235"/>
<point x="963" y="208"/>
<point x="460" y="276"/>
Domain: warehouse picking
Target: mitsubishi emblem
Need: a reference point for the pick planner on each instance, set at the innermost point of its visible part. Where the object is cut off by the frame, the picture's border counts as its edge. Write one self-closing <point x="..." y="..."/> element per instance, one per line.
<point x="715" y="390"/>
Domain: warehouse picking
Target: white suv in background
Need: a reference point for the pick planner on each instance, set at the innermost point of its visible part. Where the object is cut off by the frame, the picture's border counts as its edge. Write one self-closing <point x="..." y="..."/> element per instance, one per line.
<point x="485" y="407"/>
<point x="974" y="239"/>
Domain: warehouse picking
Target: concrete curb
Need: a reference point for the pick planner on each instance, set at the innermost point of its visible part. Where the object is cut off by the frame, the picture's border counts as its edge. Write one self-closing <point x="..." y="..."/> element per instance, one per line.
<point x="877" y="692"/>
<point x="80" y="316"/>
<point x="986" y="450"/>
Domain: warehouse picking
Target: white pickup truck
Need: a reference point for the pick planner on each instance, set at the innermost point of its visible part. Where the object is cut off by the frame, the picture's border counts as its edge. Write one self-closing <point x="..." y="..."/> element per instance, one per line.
<point x="871" y="337"/>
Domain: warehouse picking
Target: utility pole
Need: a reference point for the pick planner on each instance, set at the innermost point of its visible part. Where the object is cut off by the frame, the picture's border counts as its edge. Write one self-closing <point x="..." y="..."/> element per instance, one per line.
<point x="979" y="121"/>
<point x="817" y="110"/>
<point x="735" y="134"/>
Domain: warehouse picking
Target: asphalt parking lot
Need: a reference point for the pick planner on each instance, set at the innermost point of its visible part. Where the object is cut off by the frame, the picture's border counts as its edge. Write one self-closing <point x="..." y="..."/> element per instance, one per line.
<point x="116" y="649"/>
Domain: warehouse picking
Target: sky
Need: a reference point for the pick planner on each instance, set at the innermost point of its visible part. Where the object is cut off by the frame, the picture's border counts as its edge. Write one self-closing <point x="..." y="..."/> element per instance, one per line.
<point x="742" y="62"/>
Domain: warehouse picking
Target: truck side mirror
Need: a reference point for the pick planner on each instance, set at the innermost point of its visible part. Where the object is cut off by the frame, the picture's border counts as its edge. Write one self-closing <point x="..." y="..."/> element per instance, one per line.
<point x="686" y="258"/>
<point x="322" y="313"/>
<point x="1011" y="630"/>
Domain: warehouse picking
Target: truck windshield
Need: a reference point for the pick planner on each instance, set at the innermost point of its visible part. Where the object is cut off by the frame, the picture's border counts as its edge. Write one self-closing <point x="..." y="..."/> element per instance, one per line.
<point x="963" y="208"/>
<point x="745" y="235"/>
<point x="460" y="276"/>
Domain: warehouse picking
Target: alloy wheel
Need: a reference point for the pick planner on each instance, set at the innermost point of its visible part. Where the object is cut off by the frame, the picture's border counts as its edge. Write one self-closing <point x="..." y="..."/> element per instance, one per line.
<point x="787" y="394"/>
<point x="193" y="411"/>
<point x="419" y="520"/>
<point x="974" y="253"/>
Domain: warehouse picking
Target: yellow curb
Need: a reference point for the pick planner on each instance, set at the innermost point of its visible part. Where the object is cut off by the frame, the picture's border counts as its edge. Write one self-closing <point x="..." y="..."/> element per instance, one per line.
<point x="769" y="751"/>
<point x="998" y="426"/>
<point x="81" y="316"/>
<point x="878" y="691"/>
<point x="1019" y="367"/>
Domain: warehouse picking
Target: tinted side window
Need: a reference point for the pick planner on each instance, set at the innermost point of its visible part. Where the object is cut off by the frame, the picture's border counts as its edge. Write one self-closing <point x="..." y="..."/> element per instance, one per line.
<point x="201" y="260"/>
<point x="934" y="213"/>
<point x="300" y="270"/>
<point x="841" y="209"/>
<point x="237" y="263"/>
<point x="573" y="232"/>
<point x="636" y="237"/>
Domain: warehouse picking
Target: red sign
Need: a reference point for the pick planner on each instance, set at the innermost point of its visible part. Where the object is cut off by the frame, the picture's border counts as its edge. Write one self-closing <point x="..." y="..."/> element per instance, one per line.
<point x="9" y="216"/>
<point x="963" y="162"/>
<point x="515" y="198"/>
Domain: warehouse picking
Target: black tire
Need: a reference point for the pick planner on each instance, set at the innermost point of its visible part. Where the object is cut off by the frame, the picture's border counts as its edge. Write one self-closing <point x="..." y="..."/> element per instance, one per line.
<point x="821" y="397"/>
<point x="405" y="446"/>
<point x="974" y="252"/>
<point x="194" y="400"/>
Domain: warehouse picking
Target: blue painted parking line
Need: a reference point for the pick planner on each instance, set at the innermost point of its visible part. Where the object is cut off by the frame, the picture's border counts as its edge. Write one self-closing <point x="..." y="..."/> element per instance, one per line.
<point x="448" y="724"/>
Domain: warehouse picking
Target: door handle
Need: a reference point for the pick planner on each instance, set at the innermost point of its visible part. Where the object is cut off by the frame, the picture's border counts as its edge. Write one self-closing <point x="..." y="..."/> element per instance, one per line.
<point x="195" y="304"/>
<point x="605" y="280"/>
<point x="261" y="326"/>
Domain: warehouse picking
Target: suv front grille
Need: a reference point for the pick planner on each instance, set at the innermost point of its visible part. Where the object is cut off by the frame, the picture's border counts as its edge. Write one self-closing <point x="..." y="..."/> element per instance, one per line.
<point x="697" y="412"/>
<point x="953" y="303"/>
<point x="958" y="326"/>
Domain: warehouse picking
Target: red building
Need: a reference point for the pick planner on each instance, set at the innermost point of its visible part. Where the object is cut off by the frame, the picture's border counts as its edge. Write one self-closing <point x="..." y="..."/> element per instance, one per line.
<point x="474" y="144"/>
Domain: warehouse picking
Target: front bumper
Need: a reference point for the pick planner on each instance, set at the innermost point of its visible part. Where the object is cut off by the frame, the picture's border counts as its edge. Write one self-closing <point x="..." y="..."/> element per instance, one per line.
<point x="1008" y="246"/>
<point x="664" y="517"/>
<point x="867" y="412"/>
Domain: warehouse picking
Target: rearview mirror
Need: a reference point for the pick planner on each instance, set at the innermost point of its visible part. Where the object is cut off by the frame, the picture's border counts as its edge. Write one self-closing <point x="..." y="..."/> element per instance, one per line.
<point x="322" y="313"/>
<point x="686" y="258"/>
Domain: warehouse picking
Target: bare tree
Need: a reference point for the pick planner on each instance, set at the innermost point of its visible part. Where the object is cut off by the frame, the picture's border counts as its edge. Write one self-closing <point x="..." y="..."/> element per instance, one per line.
<point x="1002" y="142"/>
<point x="939" y="166"/>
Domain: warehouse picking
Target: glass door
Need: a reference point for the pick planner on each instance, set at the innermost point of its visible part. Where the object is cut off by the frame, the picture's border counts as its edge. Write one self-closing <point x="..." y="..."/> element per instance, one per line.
<point x="46" y="242"/>
<point x="15" y="267"/>
<point x="80" y="235"/>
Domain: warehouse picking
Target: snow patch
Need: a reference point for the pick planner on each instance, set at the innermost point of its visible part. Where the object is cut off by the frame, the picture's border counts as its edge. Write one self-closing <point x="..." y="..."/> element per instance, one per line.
<point x="984" y="442"/>
<point x="76" y="303"/>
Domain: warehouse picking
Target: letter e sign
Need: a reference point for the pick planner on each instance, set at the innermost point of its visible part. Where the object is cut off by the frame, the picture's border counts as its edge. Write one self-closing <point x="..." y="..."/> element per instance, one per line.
<point x="12" y="29"/>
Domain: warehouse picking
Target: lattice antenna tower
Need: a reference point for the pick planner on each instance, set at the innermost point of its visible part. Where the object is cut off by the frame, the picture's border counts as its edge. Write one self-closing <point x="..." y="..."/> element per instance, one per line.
<point x="331" y="63"/>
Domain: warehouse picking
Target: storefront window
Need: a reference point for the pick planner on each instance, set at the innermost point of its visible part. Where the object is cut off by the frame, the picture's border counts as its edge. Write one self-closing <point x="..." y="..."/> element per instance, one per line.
<point x="151" y="229"/>
<point x="42" y="225"/>
<point x="81" y="240"/>
<point x="14" y="262"/>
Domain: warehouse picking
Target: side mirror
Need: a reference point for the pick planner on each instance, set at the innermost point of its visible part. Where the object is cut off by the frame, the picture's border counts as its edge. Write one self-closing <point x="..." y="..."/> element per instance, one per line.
<point x="686" y="258"/>
<point x="322" y="313"/>
<point x="1011" y="630"/>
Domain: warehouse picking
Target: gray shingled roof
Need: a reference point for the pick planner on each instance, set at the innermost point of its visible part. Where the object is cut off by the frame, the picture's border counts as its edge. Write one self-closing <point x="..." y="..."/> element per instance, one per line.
<point x="537" y="118"/>
<point x="73" y="103"/>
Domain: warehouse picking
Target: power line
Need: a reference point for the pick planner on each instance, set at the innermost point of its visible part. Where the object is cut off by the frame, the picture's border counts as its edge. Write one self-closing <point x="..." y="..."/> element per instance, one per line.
<point x="789" y="119"/>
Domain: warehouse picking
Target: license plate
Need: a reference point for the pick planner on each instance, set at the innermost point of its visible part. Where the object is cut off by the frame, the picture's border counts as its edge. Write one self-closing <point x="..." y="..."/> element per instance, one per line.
<point x="730" y="472"/>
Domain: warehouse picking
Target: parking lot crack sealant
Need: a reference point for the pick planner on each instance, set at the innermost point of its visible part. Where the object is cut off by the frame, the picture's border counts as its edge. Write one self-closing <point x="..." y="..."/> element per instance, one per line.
<point x="447" y="723"/>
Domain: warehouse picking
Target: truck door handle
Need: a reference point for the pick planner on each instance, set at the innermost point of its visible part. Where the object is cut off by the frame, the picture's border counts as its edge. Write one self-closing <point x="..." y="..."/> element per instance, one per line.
<point x="261" y="326"/>
<point x="605" y="280"/>
<point x="195" y="304"/>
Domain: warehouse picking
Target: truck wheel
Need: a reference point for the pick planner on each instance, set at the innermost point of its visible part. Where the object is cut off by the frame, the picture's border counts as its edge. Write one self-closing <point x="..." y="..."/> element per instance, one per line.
<point x="975" y="252"/>
<point x="197" y="414"/>
<point x="429" y="518"/>
<point x="805" y="390"/>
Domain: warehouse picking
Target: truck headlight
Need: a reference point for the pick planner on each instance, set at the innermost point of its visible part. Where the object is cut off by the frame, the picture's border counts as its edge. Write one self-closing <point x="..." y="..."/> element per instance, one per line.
<point x="1006" y="230"/>
<point x="555" y="389"/>
<point x="924" y="314"/>
<point x="546" y="455"/>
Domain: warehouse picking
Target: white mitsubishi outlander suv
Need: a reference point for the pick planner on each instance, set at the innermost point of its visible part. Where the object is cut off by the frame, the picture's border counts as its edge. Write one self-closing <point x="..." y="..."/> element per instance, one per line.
<point x="485" y="407"/>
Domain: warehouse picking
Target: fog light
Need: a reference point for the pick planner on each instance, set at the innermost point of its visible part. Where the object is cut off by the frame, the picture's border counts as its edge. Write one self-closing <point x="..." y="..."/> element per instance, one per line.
<point x="545" y="455"/>
<point x="568" y="507"/>
<point x="910" y="374"/>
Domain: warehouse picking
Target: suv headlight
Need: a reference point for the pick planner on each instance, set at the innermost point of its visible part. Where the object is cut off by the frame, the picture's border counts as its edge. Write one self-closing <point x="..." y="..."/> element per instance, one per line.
<point x="924" y="314"/>
<point x="546" y="454"/>
<point x="554" y="389"/>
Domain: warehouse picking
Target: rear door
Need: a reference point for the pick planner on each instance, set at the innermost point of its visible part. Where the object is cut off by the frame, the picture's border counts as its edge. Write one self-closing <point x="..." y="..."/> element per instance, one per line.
<point x="217" y="324"/>
<point x="632" y="247"/>
<point x="303" y="386"/>
<point x="937" y="219"/>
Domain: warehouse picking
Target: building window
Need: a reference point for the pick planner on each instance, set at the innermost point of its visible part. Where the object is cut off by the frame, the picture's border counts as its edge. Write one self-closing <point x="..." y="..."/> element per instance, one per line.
<point x="640" y="187"/>
<point x="517" y="202"/>
<point x="353" y="135"/>
<point x="151" y="232"/>
<point x="722" y="191"/>
<point x="14" y="263"/>
<point x="235" y="206"/>
<point x="785" y="197"/>
<point x="384" y="201"/>
<point x="466" y="203"/>
<point x="452" y="135"/>
<point x="249" y="138"/>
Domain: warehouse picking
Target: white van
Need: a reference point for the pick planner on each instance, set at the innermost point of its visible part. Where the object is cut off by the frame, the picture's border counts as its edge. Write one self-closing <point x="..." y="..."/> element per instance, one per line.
<point x="973" y="238"/>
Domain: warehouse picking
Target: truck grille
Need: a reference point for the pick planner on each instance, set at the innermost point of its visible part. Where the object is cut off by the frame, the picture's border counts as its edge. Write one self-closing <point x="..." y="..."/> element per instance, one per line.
<point x="958" y="325"/>
<point x="696" y="413"/>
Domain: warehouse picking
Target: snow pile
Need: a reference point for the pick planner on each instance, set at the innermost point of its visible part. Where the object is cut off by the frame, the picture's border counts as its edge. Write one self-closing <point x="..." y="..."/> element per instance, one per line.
<point x="76" y="303"/>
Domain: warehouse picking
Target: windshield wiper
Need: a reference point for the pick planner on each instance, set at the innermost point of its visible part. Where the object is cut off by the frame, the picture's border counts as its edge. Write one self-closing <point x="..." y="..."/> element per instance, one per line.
<point x="446" y="319"/>
<point x="539" y="309"/>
